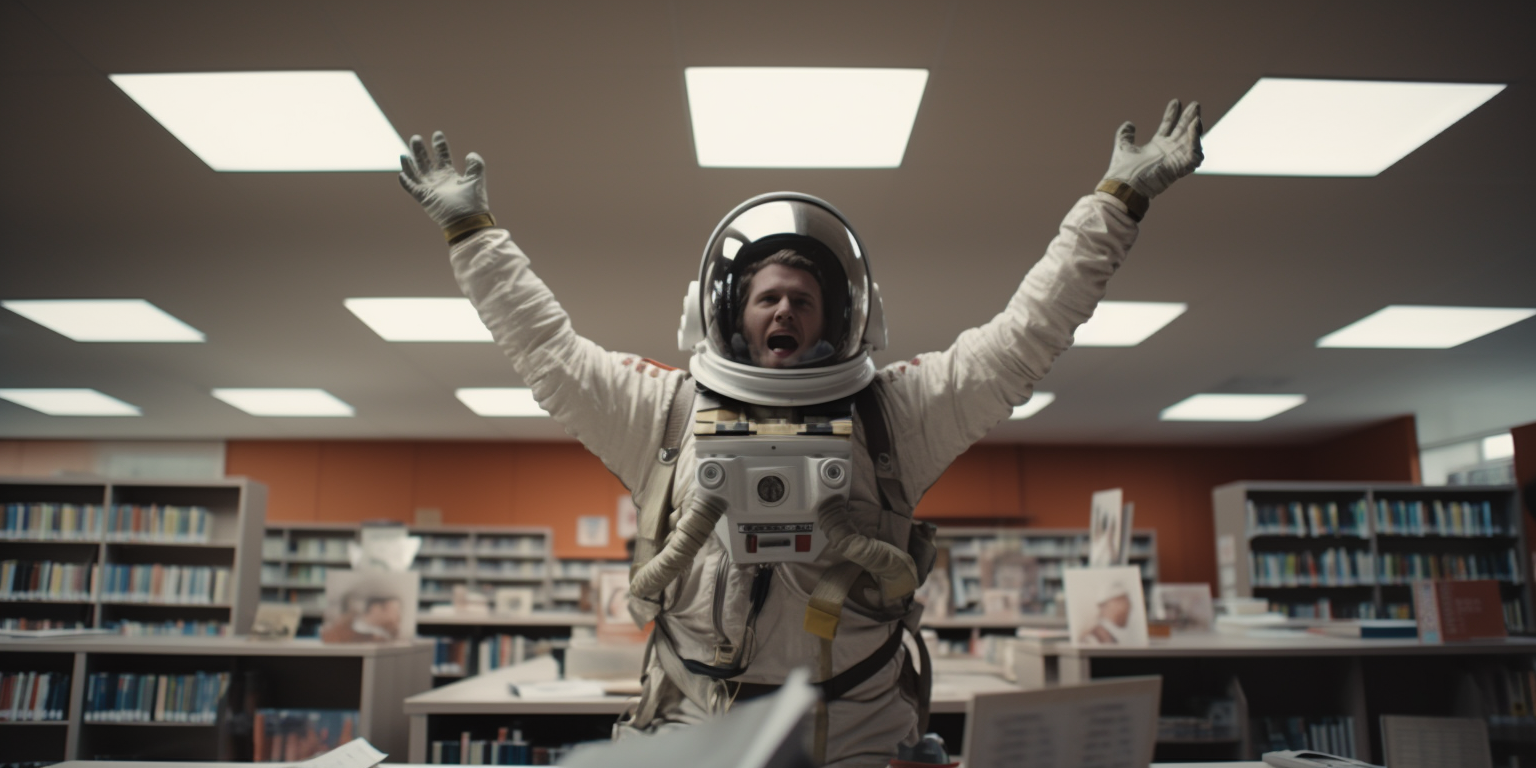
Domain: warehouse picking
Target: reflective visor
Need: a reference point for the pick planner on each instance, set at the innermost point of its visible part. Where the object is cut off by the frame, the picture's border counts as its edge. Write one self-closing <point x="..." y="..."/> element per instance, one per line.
<point x="826" y="255"/>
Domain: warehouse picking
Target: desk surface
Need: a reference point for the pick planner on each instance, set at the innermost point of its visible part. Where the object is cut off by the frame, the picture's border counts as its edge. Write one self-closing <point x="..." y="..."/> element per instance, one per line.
<point x="1218" y="644"/>
<point x="955" y="682"/>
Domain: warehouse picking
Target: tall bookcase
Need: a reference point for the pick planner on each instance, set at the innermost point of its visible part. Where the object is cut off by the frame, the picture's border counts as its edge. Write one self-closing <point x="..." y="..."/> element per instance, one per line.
<point x="1056" y="549"/>
<point x="1351" y="550"/>
<point x="170" y="534"/>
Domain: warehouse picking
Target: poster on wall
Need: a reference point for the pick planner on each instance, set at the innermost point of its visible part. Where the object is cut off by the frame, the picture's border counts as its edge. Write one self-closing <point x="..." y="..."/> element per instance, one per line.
<point x="1105" y="606"/>
<point x="592" y="531"/>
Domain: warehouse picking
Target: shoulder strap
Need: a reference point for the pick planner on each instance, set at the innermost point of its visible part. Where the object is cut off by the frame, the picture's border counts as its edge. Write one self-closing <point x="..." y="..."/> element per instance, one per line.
<point x="655" y="495"/>
<point x="877" y="439"/>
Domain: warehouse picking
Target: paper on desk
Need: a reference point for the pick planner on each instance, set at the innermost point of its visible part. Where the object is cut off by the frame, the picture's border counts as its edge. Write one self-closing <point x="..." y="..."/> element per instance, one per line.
<point x="357" y="753"/>
<point x="559" y="689"/>
<point x="1105" y="724"/>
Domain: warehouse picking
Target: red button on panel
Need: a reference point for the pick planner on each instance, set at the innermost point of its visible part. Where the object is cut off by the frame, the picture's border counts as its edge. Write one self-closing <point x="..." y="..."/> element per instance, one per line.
<point x="803" y="542"/>
<point x="751" y="542"/>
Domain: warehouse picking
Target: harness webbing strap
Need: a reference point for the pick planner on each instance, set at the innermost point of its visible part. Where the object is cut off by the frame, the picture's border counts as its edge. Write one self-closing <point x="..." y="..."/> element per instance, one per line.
<point x="650" y="534"/>
<point x="826" y="604"/>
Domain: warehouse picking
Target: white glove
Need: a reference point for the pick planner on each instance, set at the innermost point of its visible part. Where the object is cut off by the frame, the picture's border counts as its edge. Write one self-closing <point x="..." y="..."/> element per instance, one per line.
<point x="1172" y="154"/>
<point x="446" y="196"/>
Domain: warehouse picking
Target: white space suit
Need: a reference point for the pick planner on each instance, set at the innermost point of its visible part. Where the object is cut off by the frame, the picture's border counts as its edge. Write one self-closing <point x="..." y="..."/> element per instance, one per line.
<point x="935" y="406"/>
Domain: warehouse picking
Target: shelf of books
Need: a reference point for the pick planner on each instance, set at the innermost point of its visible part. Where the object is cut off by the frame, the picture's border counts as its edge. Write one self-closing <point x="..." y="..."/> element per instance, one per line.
<point x="1340" y="550"/>
<point x="138" y="557"/>
<point x="110" y="697"/>
<point x="1046" y="553"/>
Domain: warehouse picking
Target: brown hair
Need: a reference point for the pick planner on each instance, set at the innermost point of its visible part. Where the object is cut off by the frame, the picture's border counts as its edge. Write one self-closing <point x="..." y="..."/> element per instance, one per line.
<point x="785" y="258"/>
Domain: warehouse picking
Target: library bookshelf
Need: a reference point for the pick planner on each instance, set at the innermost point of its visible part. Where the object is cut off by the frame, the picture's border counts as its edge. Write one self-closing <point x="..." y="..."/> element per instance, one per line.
<point x="135" y="555"/>
<point x="1055" y="549"/>
<point x="1313" y="681"/>
<point x="1352" y="550"/>
<point x="371" y="679"/>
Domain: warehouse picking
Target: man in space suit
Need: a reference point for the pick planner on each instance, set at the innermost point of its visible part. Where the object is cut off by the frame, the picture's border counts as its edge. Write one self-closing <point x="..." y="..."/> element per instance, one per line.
<point x="781" y="324"/>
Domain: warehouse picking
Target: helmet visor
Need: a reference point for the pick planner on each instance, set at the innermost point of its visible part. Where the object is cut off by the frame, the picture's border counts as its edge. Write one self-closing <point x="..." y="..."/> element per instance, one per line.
<point x="785" y="285"/>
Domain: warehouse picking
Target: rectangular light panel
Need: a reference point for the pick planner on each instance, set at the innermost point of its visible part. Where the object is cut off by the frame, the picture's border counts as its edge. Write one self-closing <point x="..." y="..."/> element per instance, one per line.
<point x="1207" y="407"/>
<point x="1400" y="326"/>
<point x="1499" y="446"/>
<point x="1034" y="406"/>
<point x="1297" y="127"/>
<point x="284" y="402"/>
<point x="802" y="117"/>
<point x="500" y="401"/>
<point x="1126" y="323"/>
<point x="69" y="402"/>
<point x="271" y="121"/>
<point x="407" y="319"/>
<point x="131" y="320"/>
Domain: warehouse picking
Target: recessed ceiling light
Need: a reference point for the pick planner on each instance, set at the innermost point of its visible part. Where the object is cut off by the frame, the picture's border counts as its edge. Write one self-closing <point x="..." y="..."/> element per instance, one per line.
<point x="1416" y="327"/>
<point x="1295" y="127"/>
<point x="134" y="320"/>
<point x="1498" y="446"/>
<point x="500" y="401"/>
<point x="1034" y="406"/>
<point x="802" y="117"/>
<point x="1230" y="407"/>
<point x="1126" y="323"/>
<point x="284" y="402"/>
<point x="69" y="402"/>
<point x="271" y="121"/>
<point x="421" y="319"/>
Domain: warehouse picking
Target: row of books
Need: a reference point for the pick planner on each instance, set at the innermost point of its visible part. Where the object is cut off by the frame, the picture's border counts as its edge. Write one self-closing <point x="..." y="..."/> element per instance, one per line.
<point x="1296" y="518"/>
<point x="168" y="628"/>
<point x="156" y="522"/>
<point x="114" y="522"/>
<point x="1401" y="568"/>
<point x="1325" y="608"/>
<point x="51" y="522"/>
<point x="506" y="749"/>
<point x="160" y="583"/>
<point x="306" y="574"/>
<point x="33" y="696"/>
<point x="319" y="548"/>
<point x="521" y="568"/>
<point x="285" y="735"/>
<point x="33" y="625"/>
<point x="1333" y="735"/>
<point x="128" y="698"/>
<point x="46" y="580"/>
<point x="1502" y="692"/>
<point x="523" y="545"/>
<point x="1338" y="567"/>
<point x="450" y="656"/>
<point x="1437" y="518"/>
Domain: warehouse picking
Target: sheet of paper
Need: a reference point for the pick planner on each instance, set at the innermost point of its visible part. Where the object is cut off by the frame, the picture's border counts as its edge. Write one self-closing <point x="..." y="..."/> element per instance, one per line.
<point x="592" y="531"/>
<point x="560" y="689"/>
<point x="1106" y="724"/>
<point x="357" y="753"/>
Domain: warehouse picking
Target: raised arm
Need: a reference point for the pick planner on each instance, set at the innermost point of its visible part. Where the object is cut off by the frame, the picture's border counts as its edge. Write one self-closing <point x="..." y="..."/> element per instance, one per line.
<point x="945" y="401"/>
<point x="614" y="403"/>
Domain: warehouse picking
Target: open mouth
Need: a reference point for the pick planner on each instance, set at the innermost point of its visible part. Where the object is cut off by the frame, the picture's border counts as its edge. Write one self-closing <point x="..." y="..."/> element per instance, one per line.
<point x="782" y="345"/>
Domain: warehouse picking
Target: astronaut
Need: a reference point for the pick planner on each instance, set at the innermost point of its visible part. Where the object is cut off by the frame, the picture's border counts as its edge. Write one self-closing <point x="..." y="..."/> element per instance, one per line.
<point x="781" y="324"/>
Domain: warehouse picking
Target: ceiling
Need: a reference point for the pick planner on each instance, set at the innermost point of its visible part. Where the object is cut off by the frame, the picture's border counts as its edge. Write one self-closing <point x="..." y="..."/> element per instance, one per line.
<point x="579" y="110"/>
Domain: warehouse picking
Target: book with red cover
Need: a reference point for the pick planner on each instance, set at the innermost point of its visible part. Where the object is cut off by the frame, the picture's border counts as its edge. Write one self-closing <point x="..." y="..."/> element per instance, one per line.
<point x="1453" y="611"/>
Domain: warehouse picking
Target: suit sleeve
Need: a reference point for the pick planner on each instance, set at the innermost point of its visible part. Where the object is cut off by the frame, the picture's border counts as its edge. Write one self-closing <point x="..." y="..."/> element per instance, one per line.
<point x="616" y="404"/>
<point x="941" y="403"/>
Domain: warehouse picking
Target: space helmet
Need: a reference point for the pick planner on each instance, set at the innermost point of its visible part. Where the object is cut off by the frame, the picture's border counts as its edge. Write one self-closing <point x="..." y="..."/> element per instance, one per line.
<point x="833" y="365"/>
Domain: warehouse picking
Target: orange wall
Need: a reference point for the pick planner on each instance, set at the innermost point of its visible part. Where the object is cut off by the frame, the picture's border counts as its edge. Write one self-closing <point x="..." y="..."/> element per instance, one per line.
<point x="544" y="484"/>
<point x="552" y="484"/>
